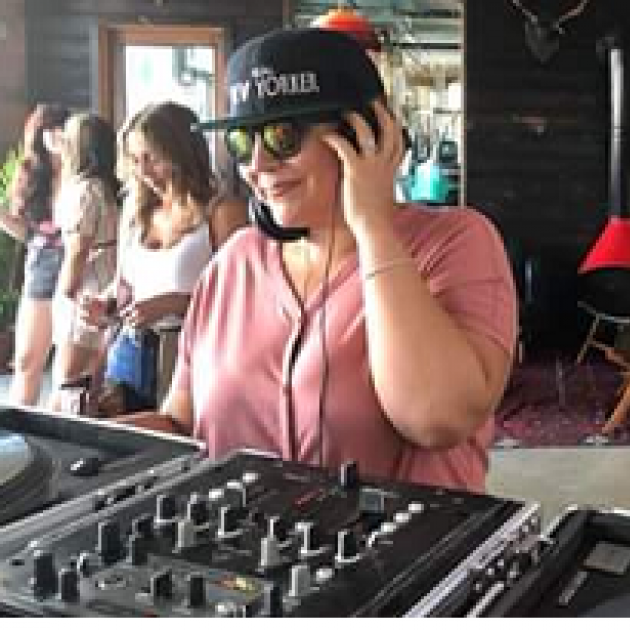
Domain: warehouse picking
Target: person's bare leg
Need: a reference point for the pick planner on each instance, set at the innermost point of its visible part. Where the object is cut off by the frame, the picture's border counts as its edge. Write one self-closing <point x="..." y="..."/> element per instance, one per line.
<point x="33" y="334"/>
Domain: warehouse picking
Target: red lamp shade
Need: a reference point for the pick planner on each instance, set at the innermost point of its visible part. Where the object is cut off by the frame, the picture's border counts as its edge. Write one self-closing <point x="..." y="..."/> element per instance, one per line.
<point x="348" y="21"/>
<point x="612" y="248"/>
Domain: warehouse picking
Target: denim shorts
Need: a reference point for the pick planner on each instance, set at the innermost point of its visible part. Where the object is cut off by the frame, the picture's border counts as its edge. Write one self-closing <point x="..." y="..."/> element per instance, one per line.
<point x="41" y="270"/>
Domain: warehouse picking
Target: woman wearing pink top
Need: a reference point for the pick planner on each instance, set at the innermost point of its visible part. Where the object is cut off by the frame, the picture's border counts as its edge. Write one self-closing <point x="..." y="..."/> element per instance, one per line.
<point x="344" y="326"/>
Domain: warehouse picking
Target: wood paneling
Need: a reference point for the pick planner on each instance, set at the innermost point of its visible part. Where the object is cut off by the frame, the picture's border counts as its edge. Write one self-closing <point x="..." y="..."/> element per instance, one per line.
<point x="536" y="140"/>
<point x="12" y="73"/>
<point x="61" y="35"/>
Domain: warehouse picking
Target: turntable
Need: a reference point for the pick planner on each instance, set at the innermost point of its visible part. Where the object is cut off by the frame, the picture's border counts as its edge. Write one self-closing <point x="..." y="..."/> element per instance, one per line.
<point x="48" y="460"/>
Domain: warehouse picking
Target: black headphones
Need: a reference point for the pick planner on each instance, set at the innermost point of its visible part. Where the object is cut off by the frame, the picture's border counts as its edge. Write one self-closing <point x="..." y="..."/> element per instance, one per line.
<point x="261" y="217"/>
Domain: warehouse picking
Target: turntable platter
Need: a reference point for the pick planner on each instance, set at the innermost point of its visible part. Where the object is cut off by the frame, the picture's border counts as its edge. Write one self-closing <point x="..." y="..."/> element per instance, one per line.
<point x="15" y="456"/>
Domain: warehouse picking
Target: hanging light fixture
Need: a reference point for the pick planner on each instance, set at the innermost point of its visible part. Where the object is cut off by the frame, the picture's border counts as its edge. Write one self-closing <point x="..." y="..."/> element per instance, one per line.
<point x="346" y="20"/>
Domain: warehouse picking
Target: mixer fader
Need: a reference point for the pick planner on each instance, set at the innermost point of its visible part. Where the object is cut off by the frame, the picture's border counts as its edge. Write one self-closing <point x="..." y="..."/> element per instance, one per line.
<point x="252" y="535"/>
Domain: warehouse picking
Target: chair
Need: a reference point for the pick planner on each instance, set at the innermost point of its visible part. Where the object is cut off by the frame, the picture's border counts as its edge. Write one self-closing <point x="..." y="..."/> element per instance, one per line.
<point x="622" y="408"/>
<point x="591" y="340"/>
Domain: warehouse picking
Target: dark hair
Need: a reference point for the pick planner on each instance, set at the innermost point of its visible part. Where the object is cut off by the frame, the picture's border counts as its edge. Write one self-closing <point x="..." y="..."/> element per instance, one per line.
<point x="32" y="188"/>
<point x="167" y="128"/>
<point x="90" y="150"/>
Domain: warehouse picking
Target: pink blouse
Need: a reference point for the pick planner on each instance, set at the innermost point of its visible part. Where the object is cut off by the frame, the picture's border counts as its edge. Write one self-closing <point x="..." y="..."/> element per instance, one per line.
<point x="255" y="363"/>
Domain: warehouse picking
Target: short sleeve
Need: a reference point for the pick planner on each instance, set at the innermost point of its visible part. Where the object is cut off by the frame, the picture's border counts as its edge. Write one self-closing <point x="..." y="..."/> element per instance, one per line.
<point x="83" y="206"/>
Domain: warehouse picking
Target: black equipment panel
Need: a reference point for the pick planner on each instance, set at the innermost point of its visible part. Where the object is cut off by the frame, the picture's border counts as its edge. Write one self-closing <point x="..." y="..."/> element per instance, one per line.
<point x="252" y="535"/>
<point x="48" y="460"/>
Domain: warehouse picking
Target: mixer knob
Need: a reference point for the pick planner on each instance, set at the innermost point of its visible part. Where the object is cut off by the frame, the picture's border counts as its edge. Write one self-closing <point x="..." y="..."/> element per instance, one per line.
<point x="228" y="522"/>
<point x="109" y="546"/>
<point x="197" y="510"/>
<point x="277" y="528"/>
<point x="166" y="507"/>
<point x="161" y="584"/>
<point x="44" y="576"/>
<point x="349" y="475"/>
<point x="236" y="493"/>
<point x="68" y="585"/>
<point x="299" y="581"/>
<point x="142" y="525"/>
<point x="186" y="534"/>
<point x="311" y="538"/>
<point x="347" y="548"/>
<point x="272" y="603"/>
<point x="269" y="553"/>
<point x="138" y="552"/>
<point x="196" y="586"/>
<point x="86" y="562"/>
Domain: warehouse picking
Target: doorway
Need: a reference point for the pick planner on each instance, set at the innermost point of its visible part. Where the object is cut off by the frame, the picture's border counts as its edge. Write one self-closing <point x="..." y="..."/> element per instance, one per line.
<point x="138" y="64"/>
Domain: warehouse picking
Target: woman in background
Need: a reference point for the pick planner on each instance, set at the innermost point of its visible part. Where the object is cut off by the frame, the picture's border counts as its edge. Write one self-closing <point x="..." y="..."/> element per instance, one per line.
<point x="175" y="217"/>
<point x="87" y="213"/>
<point x="29" y="219"/>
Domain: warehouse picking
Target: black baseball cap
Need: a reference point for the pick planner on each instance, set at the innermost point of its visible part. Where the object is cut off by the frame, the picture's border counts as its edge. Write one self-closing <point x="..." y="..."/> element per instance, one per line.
<point x="301" y="72"/>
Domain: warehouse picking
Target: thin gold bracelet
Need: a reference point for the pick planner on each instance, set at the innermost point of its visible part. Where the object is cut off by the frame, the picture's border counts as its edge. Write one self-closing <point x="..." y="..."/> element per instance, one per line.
<point x="392" y="264"/>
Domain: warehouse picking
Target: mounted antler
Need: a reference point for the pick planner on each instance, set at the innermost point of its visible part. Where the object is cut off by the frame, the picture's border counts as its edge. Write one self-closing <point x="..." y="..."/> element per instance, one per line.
<point x="543" y="32"/>
<point x="569" y="15"/>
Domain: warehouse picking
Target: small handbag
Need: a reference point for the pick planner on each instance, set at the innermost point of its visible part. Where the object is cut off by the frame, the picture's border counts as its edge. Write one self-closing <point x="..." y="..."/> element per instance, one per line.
<point x="132" y="360"/>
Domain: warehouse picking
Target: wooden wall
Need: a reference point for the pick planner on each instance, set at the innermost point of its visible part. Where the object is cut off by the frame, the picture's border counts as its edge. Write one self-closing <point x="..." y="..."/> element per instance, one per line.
<point x="60" y="35"/>
<point x="12" y="73"/>
<point x="537" y="143"/>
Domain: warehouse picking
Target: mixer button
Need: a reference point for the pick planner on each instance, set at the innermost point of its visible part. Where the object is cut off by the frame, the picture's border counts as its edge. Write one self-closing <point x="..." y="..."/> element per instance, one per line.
<point x="324" y="574"/>
<point x="196" y="587"/>
<point x="161" y="584"/>
<point x="44" y="576"/>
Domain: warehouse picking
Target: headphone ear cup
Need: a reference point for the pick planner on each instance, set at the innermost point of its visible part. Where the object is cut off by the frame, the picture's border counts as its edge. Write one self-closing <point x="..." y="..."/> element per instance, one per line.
<point x="262" y="218"/>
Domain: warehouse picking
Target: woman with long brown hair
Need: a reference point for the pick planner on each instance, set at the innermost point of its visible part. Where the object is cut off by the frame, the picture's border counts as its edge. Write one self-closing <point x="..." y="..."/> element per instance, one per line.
<point x="176" y="216"/>
<point x="29" y="219"/>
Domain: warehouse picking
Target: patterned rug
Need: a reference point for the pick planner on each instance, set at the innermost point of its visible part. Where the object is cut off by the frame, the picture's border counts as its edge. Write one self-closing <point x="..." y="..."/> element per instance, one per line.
<point x="554" y="403"/>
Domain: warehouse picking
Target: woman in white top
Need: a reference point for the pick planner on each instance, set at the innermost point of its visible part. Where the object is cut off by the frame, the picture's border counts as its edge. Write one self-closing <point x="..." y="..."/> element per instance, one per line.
<point x="86" y="212"/>
<point x="174" y="219"/>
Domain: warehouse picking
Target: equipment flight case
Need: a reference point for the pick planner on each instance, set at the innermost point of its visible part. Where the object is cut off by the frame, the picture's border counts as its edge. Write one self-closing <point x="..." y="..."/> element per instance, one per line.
<point x="578" y="566"/>
<point x="160" y="529"/>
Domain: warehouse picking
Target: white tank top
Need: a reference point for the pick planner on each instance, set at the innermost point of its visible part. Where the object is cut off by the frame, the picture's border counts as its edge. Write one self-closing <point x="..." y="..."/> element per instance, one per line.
<point x="152" y="272"/>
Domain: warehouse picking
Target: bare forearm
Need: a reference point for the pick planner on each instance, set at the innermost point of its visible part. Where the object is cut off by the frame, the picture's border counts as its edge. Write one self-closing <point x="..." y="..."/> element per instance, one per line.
<point x="12" y="225"/>
<point x="428" y="377"/>
<point x="155" y="421"/>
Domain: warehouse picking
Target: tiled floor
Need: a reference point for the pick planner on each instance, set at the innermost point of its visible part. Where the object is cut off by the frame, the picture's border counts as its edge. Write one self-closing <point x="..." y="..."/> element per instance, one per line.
<point x="555" y="478"/>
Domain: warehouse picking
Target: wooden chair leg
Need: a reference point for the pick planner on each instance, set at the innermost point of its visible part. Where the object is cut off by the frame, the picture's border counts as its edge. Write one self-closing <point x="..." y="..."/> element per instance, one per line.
<point x="620" y="412"/>
<point x="588" y="340"/>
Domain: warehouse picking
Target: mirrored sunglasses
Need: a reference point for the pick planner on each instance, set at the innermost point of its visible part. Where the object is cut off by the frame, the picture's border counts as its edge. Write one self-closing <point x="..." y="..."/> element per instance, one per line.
<point x="282" y="139"/>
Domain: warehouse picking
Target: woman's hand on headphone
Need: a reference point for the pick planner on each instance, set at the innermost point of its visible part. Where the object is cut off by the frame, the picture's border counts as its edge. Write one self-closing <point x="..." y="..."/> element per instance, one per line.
<point x="368" y="174"/>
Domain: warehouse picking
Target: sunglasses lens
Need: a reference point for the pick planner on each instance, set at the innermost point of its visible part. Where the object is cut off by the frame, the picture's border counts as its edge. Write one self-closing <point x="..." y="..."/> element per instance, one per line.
<point x="240" y="144"/>
<point x="282" y="139"/>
